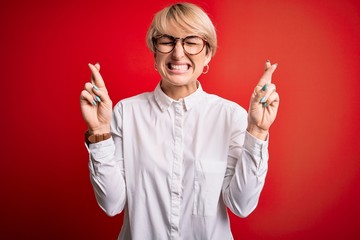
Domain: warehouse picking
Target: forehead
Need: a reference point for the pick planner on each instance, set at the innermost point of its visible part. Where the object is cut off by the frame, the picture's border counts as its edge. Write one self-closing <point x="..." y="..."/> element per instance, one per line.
<point x="177" y="29"/>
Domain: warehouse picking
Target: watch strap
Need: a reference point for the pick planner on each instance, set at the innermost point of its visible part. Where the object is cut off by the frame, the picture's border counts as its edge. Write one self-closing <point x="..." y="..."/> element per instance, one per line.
<point x="95" y="138"/>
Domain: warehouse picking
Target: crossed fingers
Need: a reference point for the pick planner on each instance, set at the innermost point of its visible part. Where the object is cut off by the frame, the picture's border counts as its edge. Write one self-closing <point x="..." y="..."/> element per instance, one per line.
<point x="265" y="91"/>
<point x="94" y="91"/>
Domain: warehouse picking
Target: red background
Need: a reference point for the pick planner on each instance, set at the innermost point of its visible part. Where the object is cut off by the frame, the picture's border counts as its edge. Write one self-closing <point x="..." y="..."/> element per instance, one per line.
<point x="312" y="188"/>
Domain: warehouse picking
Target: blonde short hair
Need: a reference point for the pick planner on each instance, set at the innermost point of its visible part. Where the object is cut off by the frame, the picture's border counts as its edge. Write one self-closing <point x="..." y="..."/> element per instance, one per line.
<point x="186" y="16"/>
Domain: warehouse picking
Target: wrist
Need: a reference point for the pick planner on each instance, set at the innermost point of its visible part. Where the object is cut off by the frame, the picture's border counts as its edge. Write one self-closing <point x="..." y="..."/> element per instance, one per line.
<point x="258" y="132"/>
<point x="95" y="138"/>
<point x="99" y="130"/>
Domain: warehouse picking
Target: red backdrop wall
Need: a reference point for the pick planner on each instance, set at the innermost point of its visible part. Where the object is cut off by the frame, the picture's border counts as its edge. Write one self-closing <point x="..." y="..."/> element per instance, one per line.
<point x="312" y="188"/>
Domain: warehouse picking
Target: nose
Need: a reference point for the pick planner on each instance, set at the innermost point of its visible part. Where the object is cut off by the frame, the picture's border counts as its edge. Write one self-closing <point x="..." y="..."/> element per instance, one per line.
<point x="178" y="51"/>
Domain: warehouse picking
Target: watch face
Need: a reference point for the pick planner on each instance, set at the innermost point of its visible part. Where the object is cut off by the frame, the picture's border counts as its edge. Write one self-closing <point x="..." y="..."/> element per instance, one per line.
<point x="92" y="138"/>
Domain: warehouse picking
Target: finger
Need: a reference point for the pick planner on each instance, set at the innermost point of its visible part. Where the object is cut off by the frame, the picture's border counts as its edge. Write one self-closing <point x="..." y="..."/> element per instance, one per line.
<point x="267" y="65"/>
<point x="97" y="65"/>
<point x="262" y="92"/>
<point x="99" y="95"/>
<point x="266" y="77"/>
<point x="258" y="93"/>
<point x="273" y="100"/>
<point x="86" y="97"/>
<point x="89" y="88"/>
<point x="269" y="90"/>
<point x="96" y="78"/>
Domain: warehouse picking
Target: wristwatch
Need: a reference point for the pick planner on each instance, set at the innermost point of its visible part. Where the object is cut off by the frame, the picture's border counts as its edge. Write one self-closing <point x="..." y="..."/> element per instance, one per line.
<point x="95" y="138"/>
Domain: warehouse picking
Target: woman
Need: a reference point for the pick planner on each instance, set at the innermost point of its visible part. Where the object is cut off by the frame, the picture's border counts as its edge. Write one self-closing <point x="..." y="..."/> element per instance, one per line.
<point x="174" y="159"/>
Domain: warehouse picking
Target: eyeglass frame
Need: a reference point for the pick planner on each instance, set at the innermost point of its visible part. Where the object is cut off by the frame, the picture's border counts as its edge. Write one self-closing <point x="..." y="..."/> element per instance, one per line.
<point x="154" y="40"/>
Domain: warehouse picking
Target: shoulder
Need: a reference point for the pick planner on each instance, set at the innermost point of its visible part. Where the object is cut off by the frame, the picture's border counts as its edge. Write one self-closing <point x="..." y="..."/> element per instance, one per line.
<point x="218" y="102"/>
<point x="139" y="99"/>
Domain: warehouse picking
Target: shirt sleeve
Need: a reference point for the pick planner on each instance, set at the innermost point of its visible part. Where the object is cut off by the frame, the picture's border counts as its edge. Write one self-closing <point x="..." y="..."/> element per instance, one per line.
<point x="106" y="164"/>
<point x="246" y="168"/>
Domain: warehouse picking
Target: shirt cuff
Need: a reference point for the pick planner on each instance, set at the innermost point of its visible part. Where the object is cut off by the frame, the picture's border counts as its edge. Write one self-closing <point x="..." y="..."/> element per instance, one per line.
<point x="101" y="150"/>
<point x="255" y="146"/>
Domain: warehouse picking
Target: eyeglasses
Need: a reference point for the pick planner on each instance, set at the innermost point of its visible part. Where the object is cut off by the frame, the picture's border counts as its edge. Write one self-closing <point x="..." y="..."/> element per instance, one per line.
<point x="192" y="45"/>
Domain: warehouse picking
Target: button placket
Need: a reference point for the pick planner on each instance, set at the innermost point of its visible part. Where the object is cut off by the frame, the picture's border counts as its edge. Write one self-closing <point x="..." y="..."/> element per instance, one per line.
<point x="176" y="181"/>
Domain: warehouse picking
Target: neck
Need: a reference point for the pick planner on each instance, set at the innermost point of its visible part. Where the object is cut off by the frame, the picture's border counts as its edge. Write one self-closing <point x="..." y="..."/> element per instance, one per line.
<point x="178" y="92"/>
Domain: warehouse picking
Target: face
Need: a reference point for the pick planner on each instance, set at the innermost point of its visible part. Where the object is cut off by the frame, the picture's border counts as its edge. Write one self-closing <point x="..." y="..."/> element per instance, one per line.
<point x="178" y="68"/>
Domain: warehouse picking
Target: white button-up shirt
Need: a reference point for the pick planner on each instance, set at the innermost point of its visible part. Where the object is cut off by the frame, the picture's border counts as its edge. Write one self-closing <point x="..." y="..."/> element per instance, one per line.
<point x="175" y="166"/>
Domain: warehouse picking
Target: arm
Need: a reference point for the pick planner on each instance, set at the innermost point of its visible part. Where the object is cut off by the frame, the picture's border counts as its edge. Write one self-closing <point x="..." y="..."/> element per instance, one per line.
<point x="107" y="170"/>
<point x="106" y="161"/>
<point x="248" y="150"/>
<point x="246" y="171"/>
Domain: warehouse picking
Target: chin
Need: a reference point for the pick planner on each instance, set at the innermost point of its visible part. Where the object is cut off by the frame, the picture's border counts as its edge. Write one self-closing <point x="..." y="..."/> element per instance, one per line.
<point x="178" y="81"/>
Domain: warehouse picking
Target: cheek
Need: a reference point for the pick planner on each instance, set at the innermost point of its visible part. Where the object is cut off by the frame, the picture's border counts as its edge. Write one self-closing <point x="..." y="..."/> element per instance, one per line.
<point x="160" y="66"/>
<point x="199" y="64"/>
<point x="159" y="62"/>
<point x="158" y="57"/>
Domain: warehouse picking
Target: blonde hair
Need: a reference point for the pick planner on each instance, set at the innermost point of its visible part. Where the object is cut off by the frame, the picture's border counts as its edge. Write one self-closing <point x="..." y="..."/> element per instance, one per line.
<point x="186" y="16"/>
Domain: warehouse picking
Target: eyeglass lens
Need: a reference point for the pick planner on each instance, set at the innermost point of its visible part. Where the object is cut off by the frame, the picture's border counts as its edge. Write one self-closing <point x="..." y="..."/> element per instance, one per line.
<point x="191" y="44"/>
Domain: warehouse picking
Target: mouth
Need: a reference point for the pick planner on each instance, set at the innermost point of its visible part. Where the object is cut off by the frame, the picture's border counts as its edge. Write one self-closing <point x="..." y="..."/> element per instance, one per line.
<point x="178" y="66"/>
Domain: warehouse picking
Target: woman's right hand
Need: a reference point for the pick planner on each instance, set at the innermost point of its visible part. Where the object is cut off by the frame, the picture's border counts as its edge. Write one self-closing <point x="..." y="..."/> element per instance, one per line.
<point x="95" y="103"/>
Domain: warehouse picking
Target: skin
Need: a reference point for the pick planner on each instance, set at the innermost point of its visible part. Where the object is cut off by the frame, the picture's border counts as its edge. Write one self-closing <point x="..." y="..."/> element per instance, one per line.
<point x="178" y="84"/>
<point x="260" y="118"/>
<point x="98" y="116"/>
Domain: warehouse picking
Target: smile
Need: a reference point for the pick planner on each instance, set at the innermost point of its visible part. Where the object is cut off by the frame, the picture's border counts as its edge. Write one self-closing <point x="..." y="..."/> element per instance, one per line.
<point x="181" y="67"/>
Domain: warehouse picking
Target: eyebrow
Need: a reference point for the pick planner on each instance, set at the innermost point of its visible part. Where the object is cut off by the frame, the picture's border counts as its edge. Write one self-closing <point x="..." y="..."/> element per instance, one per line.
<point x="167" y="35"/>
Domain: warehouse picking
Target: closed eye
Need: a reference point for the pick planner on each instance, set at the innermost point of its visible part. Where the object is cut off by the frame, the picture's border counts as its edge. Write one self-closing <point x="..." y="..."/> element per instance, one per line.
<point x="166" y="43"/>
<point x="192" y="43"/>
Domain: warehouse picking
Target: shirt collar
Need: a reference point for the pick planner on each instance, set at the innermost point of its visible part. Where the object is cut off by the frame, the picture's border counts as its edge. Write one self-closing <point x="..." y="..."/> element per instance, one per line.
<point x="165" y="102"/>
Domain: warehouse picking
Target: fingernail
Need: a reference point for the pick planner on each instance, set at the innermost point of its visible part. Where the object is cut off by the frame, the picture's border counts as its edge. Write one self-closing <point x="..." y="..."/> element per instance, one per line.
<point x="276" y="64"/>
<point x="262" y="100"/>
<point x="264" y="87"/>
<point x="93" y="102"/>
<point x="97" y="99"/>
<point x="265" y="104"/>
<point x="268" y="60"/>
<point x="95" y="87"/>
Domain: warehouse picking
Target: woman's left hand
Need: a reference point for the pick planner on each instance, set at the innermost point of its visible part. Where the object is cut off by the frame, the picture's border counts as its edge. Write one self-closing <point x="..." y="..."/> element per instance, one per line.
<point x="264" y="104"/>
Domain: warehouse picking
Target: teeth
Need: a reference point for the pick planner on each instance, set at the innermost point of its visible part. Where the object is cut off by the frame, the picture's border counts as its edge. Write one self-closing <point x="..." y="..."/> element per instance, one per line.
<point x="178" y="67"/>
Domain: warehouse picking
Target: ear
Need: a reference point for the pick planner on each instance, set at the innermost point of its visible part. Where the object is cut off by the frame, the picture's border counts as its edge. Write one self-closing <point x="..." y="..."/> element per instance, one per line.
<point x="208" y="58"/>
